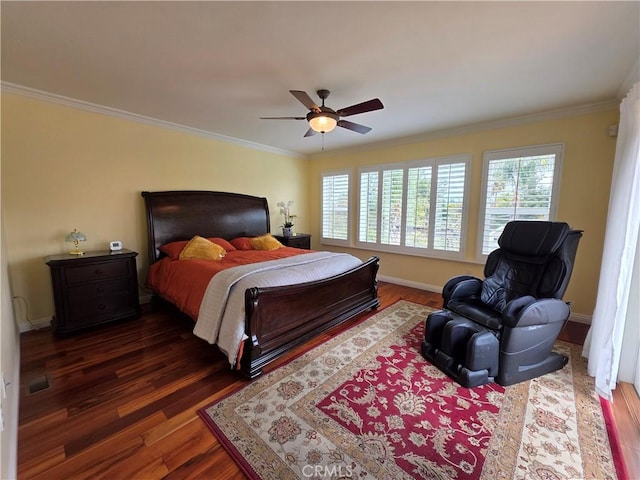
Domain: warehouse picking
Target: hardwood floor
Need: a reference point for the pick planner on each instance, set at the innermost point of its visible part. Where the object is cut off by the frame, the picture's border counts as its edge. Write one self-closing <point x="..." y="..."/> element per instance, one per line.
<point x="121" y="400"/>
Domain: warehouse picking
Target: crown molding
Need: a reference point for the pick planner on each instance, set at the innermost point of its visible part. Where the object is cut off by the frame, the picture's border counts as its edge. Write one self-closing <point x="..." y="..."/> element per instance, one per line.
<point x="134" y="117"/>
<point x="557" y="113"/>
<point x="417" y="138"/>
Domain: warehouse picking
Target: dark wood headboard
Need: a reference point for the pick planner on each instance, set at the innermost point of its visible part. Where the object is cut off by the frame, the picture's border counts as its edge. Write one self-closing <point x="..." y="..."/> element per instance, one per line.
<point x="179" y="215"/>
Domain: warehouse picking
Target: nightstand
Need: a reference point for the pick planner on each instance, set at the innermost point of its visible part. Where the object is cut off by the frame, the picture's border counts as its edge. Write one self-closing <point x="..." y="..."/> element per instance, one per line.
<point x="93" y="288"/>
<point x="299" y="240"/>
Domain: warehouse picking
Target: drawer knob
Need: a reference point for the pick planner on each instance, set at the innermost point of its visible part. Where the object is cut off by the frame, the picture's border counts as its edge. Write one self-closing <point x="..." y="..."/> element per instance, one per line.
<point x="99" y="289"/>
<point x="101" y="306"/>
<point x="97" y="271"/>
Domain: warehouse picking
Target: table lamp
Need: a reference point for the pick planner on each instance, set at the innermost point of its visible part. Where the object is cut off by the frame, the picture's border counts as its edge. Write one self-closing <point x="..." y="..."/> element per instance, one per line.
<point x="76" y="237"/>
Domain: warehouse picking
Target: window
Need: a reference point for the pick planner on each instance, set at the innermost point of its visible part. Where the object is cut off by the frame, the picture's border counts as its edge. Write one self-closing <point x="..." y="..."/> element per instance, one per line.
<point x="518" y="184"/>
<point x="414" y="207"/>
<point x="335" y="208"/>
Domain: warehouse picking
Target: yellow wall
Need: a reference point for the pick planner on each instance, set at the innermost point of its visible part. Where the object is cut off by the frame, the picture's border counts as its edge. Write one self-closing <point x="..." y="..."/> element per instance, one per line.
<point x="66" y="168"/>
<point x="584" y="194"/>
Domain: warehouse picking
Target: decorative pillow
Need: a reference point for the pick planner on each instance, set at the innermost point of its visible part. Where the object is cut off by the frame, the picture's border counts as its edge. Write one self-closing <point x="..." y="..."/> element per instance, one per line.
<point x="202" y="249"/>
<point x="173" y="249"/>
<point x="223" y="243"/>
<point x="265" y="242"/>
<point x="242" y="243"/>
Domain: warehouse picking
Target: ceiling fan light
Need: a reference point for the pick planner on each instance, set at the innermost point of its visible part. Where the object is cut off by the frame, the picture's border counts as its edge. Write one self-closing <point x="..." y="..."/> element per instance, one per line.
<point x="323" y="122"/>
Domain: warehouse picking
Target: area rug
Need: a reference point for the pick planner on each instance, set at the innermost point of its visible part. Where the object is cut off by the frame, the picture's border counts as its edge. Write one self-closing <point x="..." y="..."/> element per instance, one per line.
<point x="367" y="405"/>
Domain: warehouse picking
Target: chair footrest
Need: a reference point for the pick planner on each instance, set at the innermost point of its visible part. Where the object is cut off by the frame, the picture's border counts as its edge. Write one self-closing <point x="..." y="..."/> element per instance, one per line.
<point x="460" y="374"/>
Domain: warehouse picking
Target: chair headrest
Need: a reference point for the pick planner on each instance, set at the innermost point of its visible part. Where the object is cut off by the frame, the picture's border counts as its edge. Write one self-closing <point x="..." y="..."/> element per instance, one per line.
<point x="533" y="238"/>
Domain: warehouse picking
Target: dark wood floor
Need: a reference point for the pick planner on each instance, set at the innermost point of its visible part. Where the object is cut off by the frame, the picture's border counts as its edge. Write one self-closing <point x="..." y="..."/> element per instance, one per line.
<point x="122" y="400"/>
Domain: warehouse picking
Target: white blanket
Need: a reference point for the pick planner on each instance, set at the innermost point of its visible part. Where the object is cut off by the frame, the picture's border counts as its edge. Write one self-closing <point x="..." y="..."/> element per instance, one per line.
<point x="222" y="314"/>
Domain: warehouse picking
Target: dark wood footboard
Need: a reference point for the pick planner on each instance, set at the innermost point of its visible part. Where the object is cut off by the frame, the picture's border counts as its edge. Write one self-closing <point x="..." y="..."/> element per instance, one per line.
<point x="279" y="318"/>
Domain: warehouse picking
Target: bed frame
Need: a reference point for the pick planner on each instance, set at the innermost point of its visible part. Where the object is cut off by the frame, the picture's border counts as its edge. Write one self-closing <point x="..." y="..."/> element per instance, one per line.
<point x="277" y="318"/>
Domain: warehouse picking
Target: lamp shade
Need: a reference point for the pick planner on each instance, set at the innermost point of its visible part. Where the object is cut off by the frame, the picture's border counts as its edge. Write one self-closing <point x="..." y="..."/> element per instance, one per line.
<point x="322" y="122"/>
<point x="76" y="237"/>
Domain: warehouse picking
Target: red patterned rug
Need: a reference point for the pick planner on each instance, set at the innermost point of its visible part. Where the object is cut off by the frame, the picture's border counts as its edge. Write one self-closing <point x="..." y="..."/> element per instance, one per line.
<point x="367" y="405"/>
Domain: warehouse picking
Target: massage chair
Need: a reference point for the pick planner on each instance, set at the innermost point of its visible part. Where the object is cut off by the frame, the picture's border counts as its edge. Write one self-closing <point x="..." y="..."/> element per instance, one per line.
<point x="502" y="329"/>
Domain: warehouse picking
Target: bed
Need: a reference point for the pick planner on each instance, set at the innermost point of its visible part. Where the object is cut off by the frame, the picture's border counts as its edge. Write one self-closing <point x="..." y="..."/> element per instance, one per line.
<point x="276" y="318"/>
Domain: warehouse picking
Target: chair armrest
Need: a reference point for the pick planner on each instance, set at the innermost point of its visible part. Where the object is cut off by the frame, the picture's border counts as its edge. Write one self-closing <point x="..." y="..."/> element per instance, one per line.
<point x="527" y="311"/>
<point x="462" y="286"/>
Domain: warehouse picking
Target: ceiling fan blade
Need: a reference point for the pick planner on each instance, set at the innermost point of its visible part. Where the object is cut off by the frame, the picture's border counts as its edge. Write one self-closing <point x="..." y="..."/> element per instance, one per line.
<point x="363" y="107"/>
<point x="356" y="127"/>
<point x="305" y="99"/>
<point x="283" y="118"/>
<point x="310" y="133"/>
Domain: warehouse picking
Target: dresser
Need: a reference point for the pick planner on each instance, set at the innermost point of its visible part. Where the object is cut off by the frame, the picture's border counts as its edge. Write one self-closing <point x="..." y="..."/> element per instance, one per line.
<point x="93" y="288"/>
<point x="299" y="240"/>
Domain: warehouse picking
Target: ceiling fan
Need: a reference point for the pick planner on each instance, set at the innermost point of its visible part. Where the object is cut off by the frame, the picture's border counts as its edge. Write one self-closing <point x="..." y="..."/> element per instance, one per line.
<point x="324" y="119"/>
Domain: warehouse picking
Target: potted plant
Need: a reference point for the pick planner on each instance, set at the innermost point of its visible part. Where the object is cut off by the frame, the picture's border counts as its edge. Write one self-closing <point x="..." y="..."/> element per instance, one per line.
<point x="285" y="210"/>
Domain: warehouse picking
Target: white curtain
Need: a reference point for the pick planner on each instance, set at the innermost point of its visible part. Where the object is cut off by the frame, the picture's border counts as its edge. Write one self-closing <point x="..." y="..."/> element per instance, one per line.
<point x="604" y="340"/>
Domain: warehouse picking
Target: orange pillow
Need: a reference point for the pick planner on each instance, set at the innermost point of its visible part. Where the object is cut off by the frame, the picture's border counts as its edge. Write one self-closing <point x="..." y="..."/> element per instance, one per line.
<point x="173" y="249"/>
<point x="266" y="242"/>
<point x="200" y="248"/>
<point x="223" y="243"/>
<point x="242" y="243"/>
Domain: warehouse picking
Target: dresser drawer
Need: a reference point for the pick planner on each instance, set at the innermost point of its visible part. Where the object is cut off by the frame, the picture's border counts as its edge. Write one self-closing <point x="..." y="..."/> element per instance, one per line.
<point x="100" y="309"/>
<point x="94" y="272"/>
<point x="96" y="290"/>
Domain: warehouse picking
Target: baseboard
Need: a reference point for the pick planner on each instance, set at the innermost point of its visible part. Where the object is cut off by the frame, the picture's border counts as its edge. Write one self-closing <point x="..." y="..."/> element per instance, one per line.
<point x="409" y="283"/>
<point x="46" y="321"/>
<point x="145" y="298"/>
<point x="34" y="324"/>
<point x="580" y="318"/>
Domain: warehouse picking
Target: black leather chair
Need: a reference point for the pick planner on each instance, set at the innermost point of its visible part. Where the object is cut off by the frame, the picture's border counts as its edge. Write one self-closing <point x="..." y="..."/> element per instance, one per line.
<point x="503" y="329"/>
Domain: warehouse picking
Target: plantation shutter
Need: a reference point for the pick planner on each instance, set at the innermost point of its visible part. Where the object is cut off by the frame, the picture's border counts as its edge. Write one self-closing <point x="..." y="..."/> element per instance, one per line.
<point x="391" y="208"/>
<point x="449" y="207"/>
<point x="368" y="225"/>
<point x="418" y="207"/>
<point x="335" y="207"/>
<point x="415" y="207"/>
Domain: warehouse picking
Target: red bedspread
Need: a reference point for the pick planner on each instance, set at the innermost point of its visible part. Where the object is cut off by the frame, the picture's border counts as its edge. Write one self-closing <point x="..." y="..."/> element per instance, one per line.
<point x="183" y="282"/>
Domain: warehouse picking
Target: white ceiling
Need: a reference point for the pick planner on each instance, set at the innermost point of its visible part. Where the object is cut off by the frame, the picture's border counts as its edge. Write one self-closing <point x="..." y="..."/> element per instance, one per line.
<point x="219" y="66"/>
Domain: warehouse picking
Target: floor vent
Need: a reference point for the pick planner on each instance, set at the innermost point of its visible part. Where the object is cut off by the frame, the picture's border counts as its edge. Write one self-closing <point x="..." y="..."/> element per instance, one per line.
<point x="38" y="384"/>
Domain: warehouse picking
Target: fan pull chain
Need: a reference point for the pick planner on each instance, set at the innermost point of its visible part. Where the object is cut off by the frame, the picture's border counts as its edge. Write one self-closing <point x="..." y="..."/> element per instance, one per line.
<point x="322" y="141"/>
